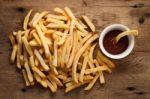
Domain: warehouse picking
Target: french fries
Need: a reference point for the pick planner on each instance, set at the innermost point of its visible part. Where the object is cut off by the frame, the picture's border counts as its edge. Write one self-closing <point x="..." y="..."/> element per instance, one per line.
<point x="40" y="16"/>
<point x="40" y="58"/>
<point x="55" y="54"/>
<point x="89" y="23"/>
<point x="130" y="32"/>
<point x="78" y="55"/>
<point x="27" y="46"/>
<point x="44" y="43"/>
<point x="92" y="52"/>
<point x="13" y="55"/>
<point x="57" y="50"/>
<point x="105" y="59"/>
<point x="83" y="69"/>
<point x="58" y="17"/>
<point x="37" y="71"/>
<point x="92" y="82"/>
<point x="25" y="77"/>
<point x="26" y="20"/>
<point x="28" y="70"/>
<point x="93" y="70"/>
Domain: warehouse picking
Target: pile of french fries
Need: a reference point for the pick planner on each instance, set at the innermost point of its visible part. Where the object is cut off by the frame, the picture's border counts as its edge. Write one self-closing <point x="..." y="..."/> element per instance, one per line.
<point x="56" y="50"/>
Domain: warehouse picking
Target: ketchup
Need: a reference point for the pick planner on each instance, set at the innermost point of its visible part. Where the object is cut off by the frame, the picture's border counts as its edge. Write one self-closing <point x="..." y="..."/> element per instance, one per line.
<point x="112" y="46"/>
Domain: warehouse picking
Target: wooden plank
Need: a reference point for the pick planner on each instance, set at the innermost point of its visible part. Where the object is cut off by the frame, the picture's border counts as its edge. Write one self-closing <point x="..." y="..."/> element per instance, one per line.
<point x="130" y="80"/>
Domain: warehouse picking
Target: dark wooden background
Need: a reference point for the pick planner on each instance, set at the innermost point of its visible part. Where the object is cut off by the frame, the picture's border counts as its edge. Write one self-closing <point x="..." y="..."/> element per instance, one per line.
<point x="131" y="78"/>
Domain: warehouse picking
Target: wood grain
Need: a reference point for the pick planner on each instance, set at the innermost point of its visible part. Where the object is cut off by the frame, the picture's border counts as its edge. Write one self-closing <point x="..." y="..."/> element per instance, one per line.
<point x="130" y="80"/>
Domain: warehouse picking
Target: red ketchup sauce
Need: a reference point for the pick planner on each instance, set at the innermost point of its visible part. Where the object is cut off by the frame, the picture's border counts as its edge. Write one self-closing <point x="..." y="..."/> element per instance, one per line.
<point x="112" y="46"/>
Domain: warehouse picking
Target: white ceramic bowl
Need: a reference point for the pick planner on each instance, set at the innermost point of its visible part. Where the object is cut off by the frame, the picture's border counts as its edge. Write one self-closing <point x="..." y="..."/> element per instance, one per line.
<point x="116" y="27"/>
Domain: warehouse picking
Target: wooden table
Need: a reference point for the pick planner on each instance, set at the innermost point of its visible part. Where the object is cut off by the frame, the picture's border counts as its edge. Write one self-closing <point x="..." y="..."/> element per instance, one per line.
<point x="131" y="78"/>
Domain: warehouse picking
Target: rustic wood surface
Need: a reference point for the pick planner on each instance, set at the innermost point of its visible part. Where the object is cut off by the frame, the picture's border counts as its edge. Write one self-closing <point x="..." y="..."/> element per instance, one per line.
<point x="131" y="78"/>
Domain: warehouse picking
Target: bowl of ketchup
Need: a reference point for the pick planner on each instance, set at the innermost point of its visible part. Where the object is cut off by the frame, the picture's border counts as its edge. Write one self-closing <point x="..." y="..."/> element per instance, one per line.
<point x="113" y="49"/>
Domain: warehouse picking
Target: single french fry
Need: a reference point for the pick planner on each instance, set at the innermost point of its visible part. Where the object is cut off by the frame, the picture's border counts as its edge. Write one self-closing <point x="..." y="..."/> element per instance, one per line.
<point x="89" y="23"/>
<point x="53" y="20"/>
<point x="25" y="77"/>
<point x="101" y="78"/>
<point x="31" y="60"/>
<point x="83" y="69"/>
<point x="12" y="40"/>
<point x="125" y="33"/>
<point x="55" y="58"/>
<point x="78" y="55"/>
<point x="57" y="26"/>
<point x="76" y="85"/>
<point x="14" y="53"/>
<point x="88" y="77"/>
<point x="41" y="60"/>
<point x="33" y="19"/>
<point x="44" y="13"/>
<point x="58" y="17"/>
<point x="44" y="43"/>
<point x="69" y="13"/>
<point x="29" y="74"/>
<point x="19" y="48"/>
<point x="36" y="70"/>
<point x="90" y="85"/>
<point x="92" y="52"/>
<point x="27" y="46"/>
<point x="60" y="11"/>
<point x="44" y="83"/>
<point x="26" y="20"/>
<point x="49" y="31"/>
<point x="51" y="87"/>
<point x="93" y="70"/>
